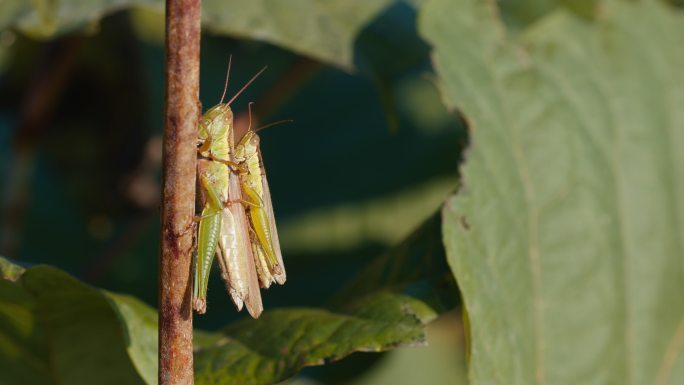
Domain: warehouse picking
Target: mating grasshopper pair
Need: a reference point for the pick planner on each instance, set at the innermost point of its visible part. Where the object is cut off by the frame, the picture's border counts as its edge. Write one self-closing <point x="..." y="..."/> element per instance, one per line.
<point x="237" y="222"/>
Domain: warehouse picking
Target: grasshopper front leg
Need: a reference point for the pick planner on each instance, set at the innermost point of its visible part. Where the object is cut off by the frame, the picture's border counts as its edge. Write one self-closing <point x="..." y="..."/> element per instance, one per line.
<point x="207" y="238"/>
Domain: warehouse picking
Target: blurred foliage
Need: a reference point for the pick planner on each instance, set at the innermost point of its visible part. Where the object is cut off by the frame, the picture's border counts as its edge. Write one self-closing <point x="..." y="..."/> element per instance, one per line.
<point x="566" y="239"/>
<point x="321" y="29"/>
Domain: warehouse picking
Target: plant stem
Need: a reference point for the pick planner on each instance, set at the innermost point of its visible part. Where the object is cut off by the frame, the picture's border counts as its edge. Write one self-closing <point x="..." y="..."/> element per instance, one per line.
<point x="178" y="200"/>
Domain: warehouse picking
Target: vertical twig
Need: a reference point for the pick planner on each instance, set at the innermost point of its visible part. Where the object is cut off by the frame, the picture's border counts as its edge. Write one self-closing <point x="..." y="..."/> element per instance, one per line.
<point x="178" y="203"/>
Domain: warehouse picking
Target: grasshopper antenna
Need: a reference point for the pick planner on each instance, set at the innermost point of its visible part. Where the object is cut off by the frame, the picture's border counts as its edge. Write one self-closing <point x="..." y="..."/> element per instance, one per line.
<point x="249" y="108"/>
<point x="247" y="85"/>
<point x="225" y="87"/>
<point x="272" y="124"/>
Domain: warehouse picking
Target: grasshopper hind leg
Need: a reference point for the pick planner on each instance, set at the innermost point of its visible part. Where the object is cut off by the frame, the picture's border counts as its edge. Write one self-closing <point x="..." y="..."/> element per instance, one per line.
<point x="207" y="239"/>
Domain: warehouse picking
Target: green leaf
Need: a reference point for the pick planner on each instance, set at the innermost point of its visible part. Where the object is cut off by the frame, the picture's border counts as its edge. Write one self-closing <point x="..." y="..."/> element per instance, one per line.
<point x="386" y="307"/>
<point x="567" y="236"/>
<point x="416" y="267"/>
<point x="139" y="323"/>
<point x="521" y="13"/>
<point x="23" y="349"/>
<point x="321" y="29"/>
<point x="442" y="362"/>
<point x="44" y="19"/>
<point x="281" y="342"/>
<point x="54" y="329"/>
<point x="10" y="271"/>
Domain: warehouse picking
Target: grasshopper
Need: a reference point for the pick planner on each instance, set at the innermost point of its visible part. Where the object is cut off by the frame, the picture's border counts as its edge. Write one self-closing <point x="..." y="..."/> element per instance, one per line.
<point x="263" y="231"/>
<point x="223" y="226"/>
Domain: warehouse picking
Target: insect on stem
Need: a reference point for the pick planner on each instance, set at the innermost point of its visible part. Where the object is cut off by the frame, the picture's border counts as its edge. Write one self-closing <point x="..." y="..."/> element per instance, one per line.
<point x="243" y="236"/>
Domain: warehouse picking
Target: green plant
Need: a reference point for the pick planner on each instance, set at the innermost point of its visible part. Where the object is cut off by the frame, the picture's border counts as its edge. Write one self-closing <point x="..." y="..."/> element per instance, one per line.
<point x="561" y="233"/>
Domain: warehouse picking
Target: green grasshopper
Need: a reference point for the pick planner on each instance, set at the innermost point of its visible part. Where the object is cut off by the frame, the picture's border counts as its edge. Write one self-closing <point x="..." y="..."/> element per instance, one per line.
<point x="263" y="231"/>
<point x="223" y="226"/>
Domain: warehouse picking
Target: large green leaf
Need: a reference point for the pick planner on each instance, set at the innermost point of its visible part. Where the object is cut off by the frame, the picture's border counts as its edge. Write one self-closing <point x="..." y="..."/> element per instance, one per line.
<point x="322" y="29"/>
<point x="567" y="237"/>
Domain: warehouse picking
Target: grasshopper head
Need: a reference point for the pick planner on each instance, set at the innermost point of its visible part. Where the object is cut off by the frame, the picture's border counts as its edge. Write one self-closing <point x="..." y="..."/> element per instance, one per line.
<point x="219" y="111"/>
<point x="250" y="141"/>
<point x="248" y="145"/>
<point x="215" y="122"/>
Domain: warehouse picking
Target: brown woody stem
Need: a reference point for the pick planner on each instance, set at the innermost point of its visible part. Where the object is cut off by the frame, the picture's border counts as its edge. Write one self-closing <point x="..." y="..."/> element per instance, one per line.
<point x="181" y="118"/>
